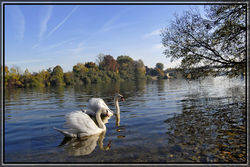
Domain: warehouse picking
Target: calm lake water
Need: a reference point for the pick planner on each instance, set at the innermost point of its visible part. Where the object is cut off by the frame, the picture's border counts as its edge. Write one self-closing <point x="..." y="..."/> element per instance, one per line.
<point x="161" y="121"/>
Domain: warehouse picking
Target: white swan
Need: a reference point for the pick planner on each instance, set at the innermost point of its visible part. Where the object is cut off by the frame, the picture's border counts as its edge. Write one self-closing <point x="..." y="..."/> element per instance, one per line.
<point x="96" y="103"/>
<point x="81" y="124"/>
<point x="117" y="107"/>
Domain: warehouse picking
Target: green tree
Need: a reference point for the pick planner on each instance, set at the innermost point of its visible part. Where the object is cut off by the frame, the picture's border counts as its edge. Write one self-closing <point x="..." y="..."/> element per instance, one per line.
<point x="14" y="77"/>
<point x="151" y="71"/>
<point x="80" y="74"/>
<point x="126" y="67"/>
<point x="68" y="78"/>
<point x="104" y="77"/>
<point x="214" y="41"/>
<point x="45" y="77"/>
<point x="91" y="65"/>
<point x="140" y="70"/>
<point x="159" y="70"/>
<point x="115" y="77"/>
<point x="57" y="76"/>
<point x="26" y="79"/>
<point x="6" y="76"/>
<point x="93" y="76"/>
<point x="159" y="73"/>
<point x="36" y="80"/>
<point x="159" y="66"/>
<point x="93" y="72"/>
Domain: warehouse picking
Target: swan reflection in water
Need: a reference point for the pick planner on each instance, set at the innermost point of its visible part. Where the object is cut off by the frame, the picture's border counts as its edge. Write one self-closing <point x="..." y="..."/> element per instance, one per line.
<point x="84" y="145"/>
<point x="117" y="119"/>
<point x="120" y="129"/>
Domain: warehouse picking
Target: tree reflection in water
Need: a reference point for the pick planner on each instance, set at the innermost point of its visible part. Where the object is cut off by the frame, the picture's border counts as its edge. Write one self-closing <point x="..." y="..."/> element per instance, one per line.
<point x="209" y="129"/>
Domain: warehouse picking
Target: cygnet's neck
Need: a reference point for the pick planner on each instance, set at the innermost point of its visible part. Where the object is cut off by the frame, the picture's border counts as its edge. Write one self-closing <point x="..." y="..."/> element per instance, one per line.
<point x="99" y="120"/>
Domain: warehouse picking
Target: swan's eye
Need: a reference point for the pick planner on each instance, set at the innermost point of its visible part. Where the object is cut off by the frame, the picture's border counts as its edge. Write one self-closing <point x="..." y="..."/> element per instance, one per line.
<point x="122" y="98"/>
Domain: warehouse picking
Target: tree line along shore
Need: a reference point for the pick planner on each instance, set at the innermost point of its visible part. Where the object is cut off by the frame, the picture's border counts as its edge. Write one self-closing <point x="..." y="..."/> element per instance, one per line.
<point x="106" y="70"/>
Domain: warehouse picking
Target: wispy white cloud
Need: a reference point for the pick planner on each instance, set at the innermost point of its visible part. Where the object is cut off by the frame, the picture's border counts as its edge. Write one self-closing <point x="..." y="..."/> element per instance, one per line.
<point x="73" y="51"/>
<point x="114" y="26"/>
<point x="80" y="47"/>
<point x="62" y="22"/>
<point x="44" y="22"/>
<point x="111" y="23"/>
<point x="153" y="33"/>
<point x="35" y="46"/>
<point x="18" y="21"/>
<point x="56" y="45"/>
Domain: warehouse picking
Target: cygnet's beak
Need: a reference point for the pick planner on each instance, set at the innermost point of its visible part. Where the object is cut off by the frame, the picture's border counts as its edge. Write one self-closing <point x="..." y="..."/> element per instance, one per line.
<point x="109" y="114"/>
<point x="122" y="99"/>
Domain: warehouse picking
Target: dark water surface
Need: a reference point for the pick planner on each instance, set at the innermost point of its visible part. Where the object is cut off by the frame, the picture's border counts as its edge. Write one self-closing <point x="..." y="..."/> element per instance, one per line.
<point x="160" y="121"/>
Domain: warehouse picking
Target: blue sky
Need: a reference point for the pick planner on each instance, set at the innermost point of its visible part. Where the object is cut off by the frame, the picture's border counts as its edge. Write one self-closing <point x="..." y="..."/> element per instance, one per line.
<point x="41" y="36"/>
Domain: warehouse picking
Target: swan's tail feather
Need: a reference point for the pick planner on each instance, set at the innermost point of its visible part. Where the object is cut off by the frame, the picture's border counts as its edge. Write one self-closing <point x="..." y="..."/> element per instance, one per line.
<point x="65" y="133"/>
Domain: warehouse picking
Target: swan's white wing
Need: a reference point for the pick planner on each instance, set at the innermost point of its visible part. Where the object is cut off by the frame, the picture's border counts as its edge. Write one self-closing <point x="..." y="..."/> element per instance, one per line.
<point x="102" y="103"/>
<point x="66" y="133"/>
<point x="81" y="123"/>
<point x="96" y="103"/>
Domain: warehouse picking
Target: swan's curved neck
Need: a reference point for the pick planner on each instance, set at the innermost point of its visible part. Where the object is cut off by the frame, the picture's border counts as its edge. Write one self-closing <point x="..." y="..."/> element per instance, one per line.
<point x="117" y="122"/>
<point x="99" y="120"/>
<point x="117" y="107"/>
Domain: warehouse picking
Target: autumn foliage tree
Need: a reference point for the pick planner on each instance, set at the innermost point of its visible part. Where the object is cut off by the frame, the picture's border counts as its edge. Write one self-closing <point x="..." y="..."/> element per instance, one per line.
<point x="109" y="64"/>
